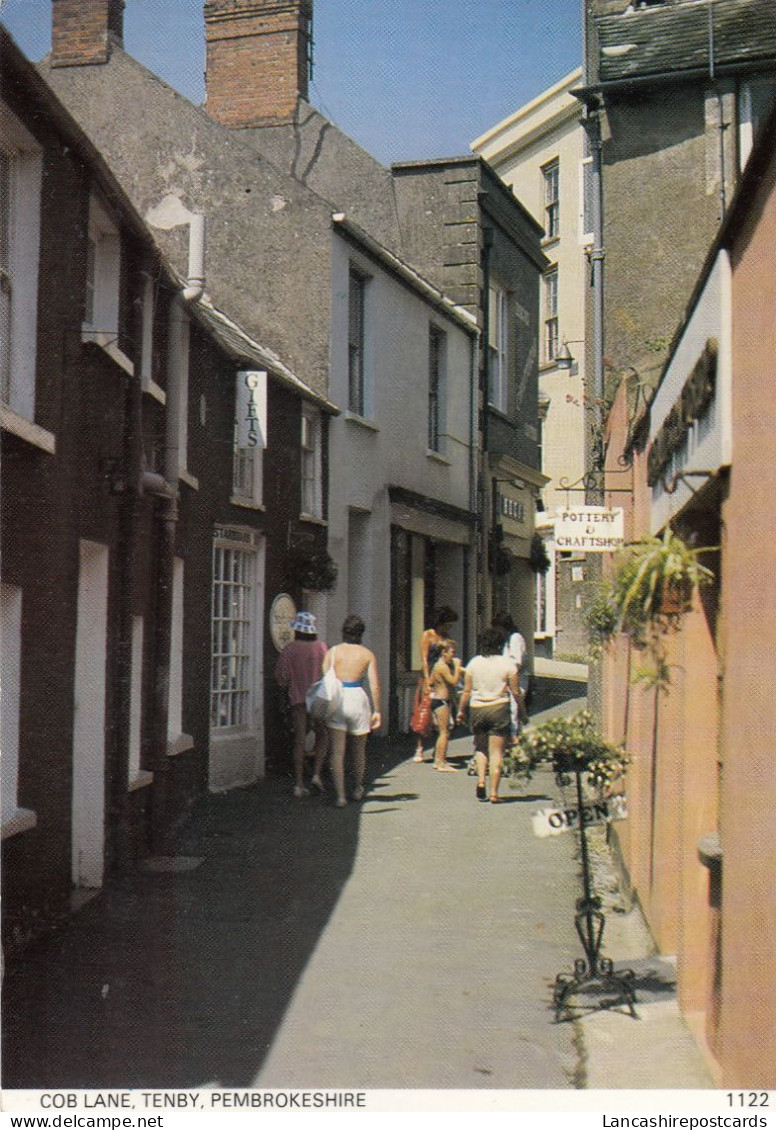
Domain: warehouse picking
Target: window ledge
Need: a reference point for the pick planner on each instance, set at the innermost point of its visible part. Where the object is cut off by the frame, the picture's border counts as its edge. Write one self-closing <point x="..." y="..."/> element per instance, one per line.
<point x="107" y="342"/>
<point x="314" y="519"/>
<point x="181" y="744"/>
<point x="501" y="414"/>
<point x="21" y="821"/>
<point x="141" y="781"/>
<point x="25" y="429"/>
<point x="438" y="457"/>
<point x="246" y="503"/>
<point x="550" y="241"/>
<point x="151" y="388"/>
<point x="188" y="479"/>
<point x="361" y="421"/>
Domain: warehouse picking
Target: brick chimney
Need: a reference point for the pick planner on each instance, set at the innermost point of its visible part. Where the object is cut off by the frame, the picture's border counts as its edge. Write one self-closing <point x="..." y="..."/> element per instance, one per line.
<point x="258" y="60"/>
<point x="83" y="30"/>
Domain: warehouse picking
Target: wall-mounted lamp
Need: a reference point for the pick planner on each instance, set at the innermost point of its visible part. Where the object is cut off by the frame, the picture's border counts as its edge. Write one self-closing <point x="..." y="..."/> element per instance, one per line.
<point x="564" y="358"/>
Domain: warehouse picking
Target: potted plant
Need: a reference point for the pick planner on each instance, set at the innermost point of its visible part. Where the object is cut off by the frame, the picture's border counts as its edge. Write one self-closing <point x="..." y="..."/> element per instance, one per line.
<point x="654" y="581"/>
<point x="570" y="744"/>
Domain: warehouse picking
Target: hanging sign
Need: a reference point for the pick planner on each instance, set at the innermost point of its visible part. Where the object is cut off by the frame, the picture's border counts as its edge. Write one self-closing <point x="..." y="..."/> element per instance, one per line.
<point x="251" y="423"/>
<point x="281" y="613"/>
<point x="554" y="821"/>
<point x="589" y="529"/>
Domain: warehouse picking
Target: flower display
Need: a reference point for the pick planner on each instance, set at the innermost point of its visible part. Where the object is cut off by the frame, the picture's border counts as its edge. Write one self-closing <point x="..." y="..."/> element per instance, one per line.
<point x="570" y="744"/>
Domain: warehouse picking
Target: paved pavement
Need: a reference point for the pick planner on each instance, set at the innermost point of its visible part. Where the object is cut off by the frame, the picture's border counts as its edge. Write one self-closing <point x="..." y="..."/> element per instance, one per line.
<point x="410" y="941"/>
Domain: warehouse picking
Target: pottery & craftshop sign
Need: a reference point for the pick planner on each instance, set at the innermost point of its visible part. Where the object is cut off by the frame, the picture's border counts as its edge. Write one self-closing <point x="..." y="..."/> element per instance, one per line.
<point x="589" y="529"/>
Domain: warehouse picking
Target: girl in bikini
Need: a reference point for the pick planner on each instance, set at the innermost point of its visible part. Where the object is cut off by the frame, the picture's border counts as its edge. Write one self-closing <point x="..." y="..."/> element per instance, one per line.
<point x="443" y="677"/>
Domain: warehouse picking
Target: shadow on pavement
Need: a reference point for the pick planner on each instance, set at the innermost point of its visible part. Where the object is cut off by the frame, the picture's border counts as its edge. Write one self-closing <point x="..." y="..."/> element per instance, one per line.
<point x="180" y="980"/>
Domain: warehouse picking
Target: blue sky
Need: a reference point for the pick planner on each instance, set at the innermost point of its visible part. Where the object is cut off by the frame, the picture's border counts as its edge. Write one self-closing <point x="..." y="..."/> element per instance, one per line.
<point x="407" y="79"/>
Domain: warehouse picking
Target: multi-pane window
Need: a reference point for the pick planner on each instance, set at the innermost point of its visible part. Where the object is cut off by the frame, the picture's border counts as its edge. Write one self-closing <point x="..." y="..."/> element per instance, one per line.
<point x="498" y="359"/>
<point x="551" y="174"/>
<point x="232" y="664"/>
<point x="356" y="308"/>
<point x="586" y="189"/>
<point x="436" y="363"/>
<point x="6" y="197"/>
<point x="103" y="264"/>
<point x="312" y="502"/>
<point x="551" y="314"/>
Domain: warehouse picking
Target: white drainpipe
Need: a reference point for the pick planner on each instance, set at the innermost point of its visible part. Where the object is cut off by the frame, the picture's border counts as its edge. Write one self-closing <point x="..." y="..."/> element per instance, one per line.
<point x="195" y="287"/>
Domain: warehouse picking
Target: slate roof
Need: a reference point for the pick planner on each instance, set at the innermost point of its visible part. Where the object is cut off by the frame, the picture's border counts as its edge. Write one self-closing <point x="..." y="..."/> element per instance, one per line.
<point x="268" y="236"/>
<point x="675" y="38"/>
<point x="319" y="155"/>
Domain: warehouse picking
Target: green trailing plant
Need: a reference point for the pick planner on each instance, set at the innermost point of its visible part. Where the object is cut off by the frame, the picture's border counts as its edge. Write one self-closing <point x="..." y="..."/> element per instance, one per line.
<point x="313" y="570"/>
<point x="539" y="559"/>
<point x="569" y="744"/>
<point x="654" y="581"/>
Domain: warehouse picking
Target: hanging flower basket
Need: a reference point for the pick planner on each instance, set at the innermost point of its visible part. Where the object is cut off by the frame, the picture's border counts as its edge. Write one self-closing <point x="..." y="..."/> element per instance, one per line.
<point x="570" y="745"/>
<point x="313" y="570"/>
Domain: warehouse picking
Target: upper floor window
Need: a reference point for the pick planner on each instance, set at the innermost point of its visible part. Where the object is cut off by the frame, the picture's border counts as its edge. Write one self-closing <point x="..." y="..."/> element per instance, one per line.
<point x="312" y="493"/>
<point x="498" y="338"/>
<point x="551" y="314"/>
<point x="551" y="175"/>
<point x="250" y="436"/>
<point x="103" y="265"/>
<point x="356" y="340"/>
<point x="21" y="166"/>
<point x="586" y="189"/>
<point x="437" y="349"/>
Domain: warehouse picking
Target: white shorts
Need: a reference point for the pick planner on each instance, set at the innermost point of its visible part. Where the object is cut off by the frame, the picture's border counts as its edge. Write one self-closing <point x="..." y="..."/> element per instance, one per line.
<point x="354" y="714"/>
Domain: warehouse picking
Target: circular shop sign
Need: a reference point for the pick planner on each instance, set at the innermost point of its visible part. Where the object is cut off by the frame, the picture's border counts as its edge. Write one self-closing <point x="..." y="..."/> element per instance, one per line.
<point x="281" y="613"/>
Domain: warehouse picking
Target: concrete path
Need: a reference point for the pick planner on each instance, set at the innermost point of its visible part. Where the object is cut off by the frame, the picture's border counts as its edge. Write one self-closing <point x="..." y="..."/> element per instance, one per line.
<point x="410" y="941"/>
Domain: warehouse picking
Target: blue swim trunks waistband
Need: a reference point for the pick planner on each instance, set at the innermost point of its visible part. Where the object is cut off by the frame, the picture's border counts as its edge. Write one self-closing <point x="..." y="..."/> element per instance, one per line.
<point x="357" y="684"/>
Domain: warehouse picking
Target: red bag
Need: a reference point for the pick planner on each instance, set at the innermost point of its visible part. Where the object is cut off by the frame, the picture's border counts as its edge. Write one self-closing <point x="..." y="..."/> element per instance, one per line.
<point x="421" y="711"/>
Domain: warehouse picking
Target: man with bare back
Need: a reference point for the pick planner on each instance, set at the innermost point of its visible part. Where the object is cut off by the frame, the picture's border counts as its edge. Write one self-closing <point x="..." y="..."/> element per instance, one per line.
<point x="356" y="716"/>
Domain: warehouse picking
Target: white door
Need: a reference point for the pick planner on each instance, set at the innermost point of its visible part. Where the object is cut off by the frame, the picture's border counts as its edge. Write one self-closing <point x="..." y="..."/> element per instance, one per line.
<point x="89" y="726"/>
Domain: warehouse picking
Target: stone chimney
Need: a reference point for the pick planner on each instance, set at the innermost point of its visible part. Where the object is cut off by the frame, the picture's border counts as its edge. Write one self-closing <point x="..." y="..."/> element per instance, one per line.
<point x="83" y="31"/>
<point x="258" y="60"/>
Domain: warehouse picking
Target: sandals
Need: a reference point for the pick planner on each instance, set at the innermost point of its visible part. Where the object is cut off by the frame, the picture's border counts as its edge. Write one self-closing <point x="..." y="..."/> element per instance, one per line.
<point x="445" y="768"/>
<point x="495" y="799"/>
<point x="480" y="792"/>
<point x="418" y="757"/>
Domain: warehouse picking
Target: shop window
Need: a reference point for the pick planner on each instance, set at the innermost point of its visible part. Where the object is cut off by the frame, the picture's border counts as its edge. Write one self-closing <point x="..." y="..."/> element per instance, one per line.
<point x="233" y="661"/>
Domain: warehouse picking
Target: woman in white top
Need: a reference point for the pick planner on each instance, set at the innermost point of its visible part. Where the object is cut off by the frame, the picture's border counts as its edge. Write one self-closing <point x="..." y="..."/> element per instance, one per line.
<point x="488" y="689"/>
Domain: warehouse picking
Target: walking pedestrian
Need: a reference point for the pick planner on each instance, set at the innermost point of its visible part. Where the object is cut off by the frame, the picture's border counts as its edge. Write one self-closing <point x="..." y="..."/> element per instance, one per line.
<point x="298" y="666"/>
<point x="444" y="678"/>
<point x="490" y="683"/>
<point x="356" y="716"/>
<point x="430" y="650"/>
<point x="515" y="649"/>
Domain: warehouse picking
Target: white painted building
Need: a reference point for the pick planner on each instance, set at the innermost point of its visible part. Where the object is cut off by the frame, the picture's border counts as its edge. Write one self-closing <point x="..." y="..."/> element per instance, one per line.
<point x="539" y="152"/>
<point x="401" y="470"/>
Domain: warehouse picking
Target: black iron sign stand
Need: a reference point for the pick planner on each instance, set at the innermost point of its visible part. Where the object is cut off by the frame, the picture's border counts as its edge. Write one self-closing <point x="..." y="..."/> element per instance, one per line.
<point x="593" y="973"/>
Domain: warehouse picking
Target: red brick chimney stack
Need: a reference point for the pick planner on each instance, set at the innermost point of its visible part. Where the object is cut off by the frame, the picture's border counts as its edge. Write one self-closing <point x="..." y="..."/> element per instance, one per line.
<point x="83" y="31"/>
<point x="258" y="60"/>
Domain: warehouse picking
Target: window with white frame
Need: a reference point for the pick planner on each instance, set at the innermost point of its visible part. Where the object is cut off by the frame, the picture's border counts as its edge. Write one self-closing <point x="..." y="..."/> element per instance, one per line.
<point x="136" y="698"/>
<point x="437" y="355"/>
<point x="10" y="692"/>
<point x="175" y="700"/>
<point x="312" y="495"/>
<point x="498" y="353"/>
<point x="551" y="314"/>
<point x="232" y="690"/>
<point x="103" y="267"/>
<point x="21" y="165"/>
<point x="356" y="342"/>
<point x="551" y="177"/>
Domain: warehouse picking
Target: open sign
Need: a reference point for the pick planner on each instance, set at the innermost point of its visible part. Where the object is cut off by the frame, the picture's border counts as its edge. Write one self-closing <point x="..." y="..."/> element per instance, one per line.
<point x="554" y="821"/>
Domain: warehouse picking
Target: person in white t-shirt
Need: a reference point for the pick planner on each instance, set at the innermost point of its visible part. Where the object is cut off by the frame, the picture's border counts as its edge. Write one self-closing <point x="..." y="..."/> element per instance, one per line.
<point x="488" y="690"/>
<point x="515" y="649"/>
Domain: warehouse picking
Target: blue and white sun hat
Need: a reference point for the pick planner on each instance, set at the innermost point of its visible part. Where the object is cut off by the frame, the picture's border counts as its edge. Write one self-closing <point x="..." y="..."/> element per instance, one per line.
<point x="304" y="622"/>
